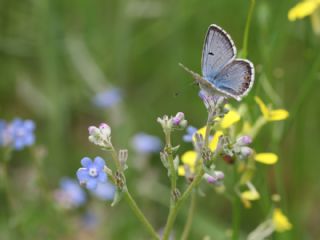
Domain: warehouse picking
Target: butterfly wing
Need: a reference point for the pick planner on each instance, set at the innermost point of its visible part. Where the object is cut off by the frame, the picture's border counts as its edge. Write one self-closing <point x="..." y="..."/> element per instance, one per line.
<point x="218" y="51"/>
<point x="235" y="79"/>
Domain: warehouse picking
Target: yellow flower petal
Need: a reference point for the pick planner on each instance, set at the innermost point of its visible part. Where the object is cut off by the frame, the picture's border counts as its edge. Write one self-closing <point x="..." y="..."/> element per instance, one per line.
<point x="266" y="158"/>
<point x="201" y="131"/>
<point x="181" y="171"/>
<point x="230" y="118"/>
<point x="246" y="129"/>
<point x="250" y="195"/>
<point x="214" y="142"/>
<point x="189" y="158"/>
<point x="302" y="9"/>
<point x="278" y="115"/>
<point x="280" y="221"/>
<point x="263" y="108"/>
<point x="271" y="115"/>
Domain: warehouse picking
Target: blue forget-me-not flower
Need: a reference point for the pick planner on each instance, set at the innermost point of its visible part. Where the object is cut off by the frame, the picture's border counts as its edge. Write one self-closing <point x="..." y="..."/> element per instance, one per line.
<point x="92" y="172"/>
<point x="190" y="131"/>
<point x="104" y="191"/>
<point x="108" y="98"/>
<point x="70" y="194"/>
<point x="145" y="143"/>
<point x="18" y="134"/>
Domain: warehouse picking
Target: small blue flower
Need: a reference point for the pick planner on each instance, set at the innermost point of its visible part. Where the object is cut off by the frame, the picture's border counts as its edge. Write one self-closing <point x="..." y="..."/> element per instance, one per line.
<point x="108" y="98"/>
<point x="92" y="172"/>
<point x="17" y="134"/>
<point x="145" y="143"/>
<point x="190" y="131"/>
<point x="70" y="194"/>
<point x="104" y="191"/>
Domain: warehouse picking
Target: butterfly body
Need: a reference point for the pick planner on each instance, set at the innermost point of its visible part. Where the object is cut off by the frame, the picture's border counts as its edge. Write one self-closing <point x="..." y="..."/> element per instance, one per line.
<point x="222" y="73"/>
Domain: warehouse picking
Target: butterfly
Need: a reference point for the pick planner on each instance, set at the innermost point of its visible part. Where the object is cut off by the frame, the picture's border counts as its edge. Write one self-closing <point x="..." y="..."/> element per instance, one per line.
<point x="222" y="73"/>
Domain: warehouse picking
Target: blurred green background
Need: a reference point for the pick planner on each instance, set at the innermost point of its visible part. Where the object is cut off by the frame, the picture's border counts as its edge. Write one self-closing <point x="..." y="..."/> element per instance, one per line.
<point x="56" y="55"/>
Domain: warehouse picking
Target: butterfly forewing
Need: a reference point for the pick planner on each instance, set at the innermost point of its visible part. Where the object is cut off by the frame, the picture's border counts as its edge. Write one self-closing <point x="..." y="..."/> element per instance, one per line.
<point x="235" y="79"/>
<point x="218" y="50"/>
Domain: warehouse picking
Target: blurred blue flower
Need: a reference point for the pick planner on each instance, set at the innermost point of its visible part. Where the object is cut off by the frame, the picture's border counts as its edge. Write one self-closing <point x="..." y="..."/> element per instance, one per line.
<point x="70" y="194"/>
<point x="2" y="131"/>
<point x="107" y="98"/>
<point x="190" y="131"/>
<point x="17" y="134"/>
<point x="104" y="191"/>
<point x="90" y="220"/>
<point x="92" y="172"/>
<point x="145" y="143"/>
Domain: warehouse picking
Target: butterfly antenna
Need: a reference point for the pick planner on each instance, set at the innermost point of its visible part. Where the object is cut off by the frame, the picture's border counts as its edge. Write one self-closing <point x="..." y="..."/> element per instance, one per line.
<point x="196" y="76"/>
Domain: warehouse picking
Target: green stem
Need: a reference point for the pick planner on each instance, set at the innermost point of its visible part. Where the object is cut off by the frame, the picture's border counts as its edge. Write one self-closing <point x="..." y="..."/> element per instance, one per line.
<point x="235" y="211"/>
<point x="235" y="218"/>
<point x="173" y="176"/>
<point x="173" y="213"/>
<point x="174" y="208"/>
<point x="187" y="227"/>
<point x="132" y="203"/>
<point x="244" y="51"/>
<point x="134" y="207"/>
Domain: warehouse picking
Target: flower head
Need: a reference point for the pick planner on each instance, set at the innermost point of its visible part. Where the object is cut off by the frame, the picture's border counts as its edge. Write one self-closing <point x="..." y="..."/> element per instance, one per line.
<point x="18" y="134"/>
<point x="145" y="143"/>
<point x="108" y="98"/>
<point x="271" y="115"/>
<point x="101" y="135"/>
<point x="280" y="221"/>
<point x="92" y="172"/>
<point x="216" y="178"/>
<point x="189" y="161"/>
<point x="230" y="118"/>
<point x="70" y="194"/>
<point x="104" y="191"/>
<point x="179" y="120"/>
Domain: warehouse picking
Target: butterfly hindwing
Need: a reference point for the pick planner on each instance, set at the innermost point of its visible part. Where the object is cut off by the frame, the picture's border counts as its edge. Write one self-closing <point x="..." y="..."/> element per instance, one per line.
<point x="235" y="79"/>
<point x="218" y="51"/>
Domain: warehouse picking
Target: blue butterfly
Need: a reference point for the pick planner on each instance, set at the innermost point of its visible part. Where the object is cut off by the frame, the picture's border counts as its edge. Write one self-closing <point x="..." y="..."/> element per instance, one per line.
<point x="223" y="73"/>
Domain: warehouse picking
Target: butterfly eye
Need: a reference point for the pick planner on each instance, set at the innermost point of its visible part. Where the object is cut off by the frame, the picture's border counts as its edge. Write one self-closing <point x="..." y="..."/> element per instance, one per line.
<point x="211" y="53"/>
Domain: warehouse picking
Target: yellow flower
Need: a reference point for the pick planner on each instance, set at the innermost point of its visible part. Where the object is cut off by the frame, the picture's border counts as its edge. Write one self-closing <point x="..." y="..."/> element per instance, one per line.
<point x="280" y="221"/>
<point x="214" y="141"/>
<point x="266" y="158"/>
<point x="250" y="195"/>
<point x="271" y="115"/>
<point x="303" y="9"/>
<point x="188" y="158"/>
<point x="230" y="118"/>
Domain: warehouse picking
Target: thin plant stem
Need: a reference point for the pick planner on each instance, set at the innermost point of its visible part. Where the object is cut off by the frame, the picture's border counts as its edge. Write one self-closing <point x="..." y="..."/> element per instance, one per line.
<point x="173" y="214"/>
<point x="173" y="177"/>
<point x="132" y="203"/>
<point x="134" y="207"/>
<point x="244" y="51"/>
<point x="175" y="208"/>
<point x="235" y="212"/>
<point x="192" y="208"/>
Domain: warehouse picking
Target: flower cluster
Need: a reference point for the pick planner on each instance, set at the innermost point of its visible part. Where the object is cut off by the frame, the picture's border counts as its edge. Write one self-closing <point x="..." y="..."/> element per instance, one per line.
<point x="101" y="135"/>
<point x="17" y="134"/>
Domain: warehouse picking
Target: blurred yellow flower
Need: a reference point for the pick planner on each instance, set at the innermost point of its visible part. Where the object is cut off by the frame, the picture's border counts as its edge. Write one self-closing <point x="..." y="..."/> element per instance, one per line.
<point x="214" y="141"/>
<point x="250" y="195"/>
<point x="271" y="115"/>
<point x="303" y="9"/>
<point x="266" y="158"/>
<point x="230" y="118"/>
<point x="188" y="158"/>
<point x="280" y="221"/>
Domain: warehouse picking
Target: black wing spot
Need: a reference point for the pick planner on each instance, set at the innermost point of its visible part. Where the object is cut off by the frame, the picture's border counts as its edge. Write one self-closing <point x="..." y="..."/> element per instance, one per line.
<point x="211" y="53"/>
